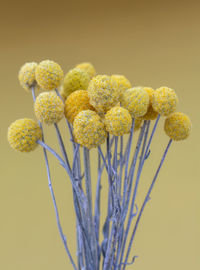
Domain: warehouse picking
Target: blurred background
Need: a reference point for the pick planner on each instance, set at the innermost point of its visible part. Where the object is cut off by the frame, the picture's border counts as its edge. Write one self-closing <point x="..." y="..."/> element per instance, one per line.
<point x="153" y="43"/>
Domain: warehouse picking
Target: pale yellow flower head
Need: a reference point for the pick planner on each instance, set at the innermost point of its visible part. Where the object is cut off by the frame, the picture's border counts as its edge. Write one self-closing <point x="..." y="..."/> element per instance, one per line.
<point x="178" y="126"/>
<point x="122" y="82"/>
<point x="136" y="101"/>
<point x="49" y="75"/>
<point x="23" y="135"/>
<point x="118" y="121"/>
<point x="89" y="130"/>
<point x="76" y="102"/>
<point x="164" y="101"/>
<point x="49" y="108"/>
<point x="87" y="67"/>
<point x="103" y="93"/>
<point x="26" y="75"/>
<point x="75" y="79"/>
<point x="151" y="114"/>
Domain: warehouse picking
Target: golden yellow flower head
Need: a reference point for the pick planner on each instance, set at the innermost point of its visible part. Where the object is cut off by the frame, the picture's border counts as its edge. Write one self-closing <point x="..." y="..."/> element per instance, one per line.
<point x="23" y="135"/>
<point x="76" y="102"/>
<point x="26" y="75"/>
<point x="118" y="121"/>
<point x="122" y="82"/>
<point x="87" y="67"/>
<point x="89" y="130"/>
<point x="49" y="108"/>
<point x="178" y="126"/>
<point x="103" y="93"/>
<point x="151" y="114"/>
<point x="136" y="101"/>
<point x="75" y="79"/>
<point x="49" y="75"/>
<point x="164" y="101"/>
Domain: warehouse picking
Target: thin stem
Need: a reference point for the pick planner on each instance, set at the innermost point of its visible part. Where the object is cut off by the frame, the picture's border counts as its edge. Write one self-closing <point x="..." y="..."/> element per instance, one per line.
<point x="145" y="202"/>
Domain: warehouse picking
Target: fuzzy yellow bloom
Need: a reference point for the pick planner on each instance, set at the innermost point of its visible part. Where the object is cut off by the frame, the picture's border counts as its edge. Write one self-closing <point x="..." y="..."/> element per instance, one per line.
<point x="75" y="79"/>
<point x="178" y="126"/>
<point x="76" y="102"/>
<point x="136" y="101"/>
<point x="89" y="130"/>
<point x="122" y="82"/>
<point x="118" y="121"/>
<point x="49" y="75"/>
<point x="103" y="93"/>
<point x="26" y="75"/>
<point x="49" y="108"/>
<point x="23" y="135"/>
<point x="164" y="101"/>
<point x="151" y="114"/>
<point x="87" y="67"/>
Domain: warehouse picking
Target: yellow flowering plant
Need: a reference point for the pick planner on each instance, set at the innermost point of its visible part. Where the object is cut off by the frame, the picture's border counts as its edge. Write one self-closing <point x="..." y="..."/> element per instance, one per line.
<point x="98" y="109"/>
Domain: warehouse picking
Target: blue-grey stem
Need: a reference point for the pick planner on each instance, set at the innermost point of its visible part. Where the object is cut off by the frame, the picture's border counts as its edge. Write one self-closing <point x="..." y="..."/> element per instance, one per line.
<point x="147" y="197"/>
<point x="88" y="188"/>
<point x="63" y="237"/>
<point x="145" y="141"/>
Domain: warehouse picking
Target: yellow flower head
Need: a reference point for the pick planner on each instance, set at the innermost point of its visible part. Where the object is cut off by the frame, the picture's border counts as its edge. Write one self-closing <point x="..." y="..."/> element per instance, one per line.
<point x="103" y="93"/>
<point x="76" y="102"/>
<point x="122" y="82"/>
<point x="49" y="75"/>
<point x="49" y="108"/>
<point x="87" y="67"/>
<point x="136" y="101"/>
<point x="75" y="79"/>
<point x="23" y="135"/>
<point x="26" y="75"/>
<point x="164" y="101"/>
<point x="151" y="114"/>
<point x="178" y="126"/>
<point x="118" y="121"/>
<point x="89" y="130"/>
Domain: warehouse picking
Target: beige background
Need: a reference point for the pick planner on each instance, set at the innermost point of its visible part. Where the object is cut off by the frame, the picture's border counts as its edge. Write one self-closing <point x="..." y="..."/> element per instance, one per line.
<point x="153" y="43"/>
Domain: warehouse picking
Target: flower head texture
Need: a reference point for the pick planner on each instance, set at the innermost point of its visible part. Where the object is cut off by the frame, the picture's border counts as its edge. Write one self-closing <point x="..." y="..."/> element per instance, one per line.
<point x="122" y="82"/>
<point x="49" y="108"/>
<point x="76" y="102"/>
<point x="49" y="75"/>
<point x="136" y="101"/>
<point x="103" y="93"/>
<point x="164" y="101"/>
<point x="89" y="130"/>
<point x="23" y="135"/>
<point x="75" y="79"/>
<point x="150" y="114"/>
<point x="87" y="67"/>
<point x="118" y="121"/>
<point x="26" y="75"/>
<point x="178" y="126"/>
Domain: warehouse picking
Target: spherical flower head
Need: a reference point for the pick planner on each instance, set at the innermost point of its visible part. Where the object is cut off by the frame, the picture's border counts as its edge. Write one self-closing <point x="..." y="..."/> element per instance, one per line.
<point x="136" y="101"/>
<point x="23" y="135"/>
<point x="75" y="79"/>
<point x="103" y="93"/>
<point x="49" y="75"/>
<point x="150" y="114"/>
<point x="164" y="101"/>
<point x="118" y="121"/>
<point x="178" y="126"/>
<point x="122" y="82"/>
<point x="26" y="75"/>
<point x="76" y="102"/>
<point x="89" y="130"/>
<point x="87" y="67"/>
<point x="49" y="108"/>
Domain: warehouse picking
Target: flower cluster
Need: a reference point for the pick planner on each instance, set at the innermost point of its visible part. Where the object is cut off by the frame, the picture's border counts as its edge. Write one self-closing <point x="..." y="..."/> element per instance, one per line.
<point x="98" y="109"/>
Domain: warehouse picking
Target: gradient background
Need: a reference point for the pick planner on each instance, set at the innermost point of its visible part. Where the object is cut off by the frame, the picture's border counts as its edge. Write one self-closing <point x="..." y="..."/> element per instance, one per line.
<point x="153" y="43"/>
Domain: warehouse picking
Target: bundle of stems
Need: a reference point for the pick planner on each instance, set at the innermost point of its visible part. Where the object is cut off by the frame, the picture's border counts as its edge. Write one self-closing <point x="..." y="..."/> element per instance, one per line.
<point x="123" y="166"/>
